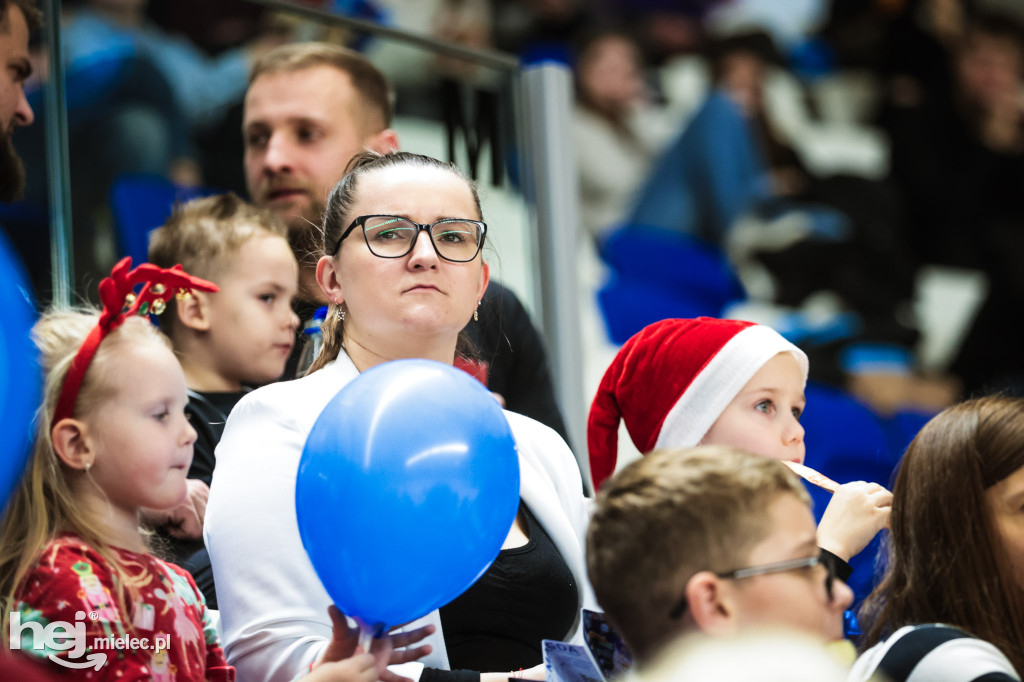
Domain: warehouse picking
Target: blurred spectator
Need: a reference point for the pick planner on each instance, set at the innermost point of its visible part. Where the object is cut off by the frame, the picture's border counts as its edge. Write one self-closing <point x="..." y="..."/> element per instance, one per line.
<point x="135" y="97"/>
<point x="203" y="86"/>
<point x="537" y="29"/>
<point x="788" y="23"/>
<point x="541" y="29"/>
<point x="958" y="157"/>
<point x="213" y="27"/>
<point x="664" y="27"/>
<point x="463" y="22"/>
<point x="616" y="129"/>
<point x="917" y="47"/>
<point x="121" y="118"/>
<point x="730" y="179"/>
<point x="415" y="73"/>
<point x="889" y="36"/>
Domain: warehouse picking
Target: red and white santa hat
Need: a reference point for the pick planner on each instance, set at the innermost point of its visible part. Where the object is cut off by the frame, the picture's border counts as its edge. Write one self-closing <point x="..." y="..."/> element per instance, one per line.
<point x="670" y="382"/>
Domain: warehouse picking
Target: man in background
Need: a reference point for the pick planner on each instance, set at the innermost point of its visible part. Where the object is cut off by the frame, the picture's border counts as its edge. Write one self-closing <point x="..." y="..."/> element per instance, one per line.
<point x="18" y="18"/>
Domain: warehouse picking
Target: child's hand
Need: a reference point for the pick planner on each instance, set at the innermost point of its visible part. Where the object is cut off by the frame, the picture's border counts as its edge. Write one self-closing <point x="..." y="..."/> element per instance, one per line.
<point x="856" y="513"/>
<point x="186" y="520"/>
<point x="361" y="668"/>
<point x="344" y="644"/>
<point x="344" y="639"/>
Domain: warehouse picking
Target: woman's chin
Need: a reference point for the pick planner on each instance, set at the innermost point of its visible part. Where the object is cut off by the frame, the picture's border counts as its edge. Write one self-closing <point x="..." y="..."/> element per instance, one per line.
<point x="427" y="328"/>
<point x="430" y="322"/>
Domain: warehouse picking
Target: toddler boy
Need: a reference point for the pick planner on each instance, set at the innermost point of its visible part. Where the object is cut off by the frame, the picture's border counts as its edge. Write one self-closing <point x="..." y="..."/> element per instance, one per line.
<point x="226" y="341"/>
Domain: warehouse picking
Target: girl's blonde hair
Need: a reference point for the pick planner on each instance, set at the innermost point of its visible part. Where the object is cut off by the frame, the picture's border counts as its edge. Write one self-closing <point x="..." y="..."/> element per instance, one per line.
<point x="43" y="505"/>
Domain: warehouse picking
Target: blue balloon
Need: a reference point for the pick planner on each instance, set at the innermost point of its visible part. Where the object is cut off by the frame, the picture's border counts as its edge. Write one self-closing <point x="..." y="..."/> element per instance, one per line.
<point x="406" y="490"/>
<point x="19" y="370"/>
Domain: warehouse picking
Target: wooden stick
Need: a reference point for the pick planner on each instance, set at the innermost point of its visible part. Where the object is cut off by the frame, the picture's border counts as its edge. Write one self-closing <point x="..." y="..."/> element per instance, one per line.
<point x="812" y="476"/>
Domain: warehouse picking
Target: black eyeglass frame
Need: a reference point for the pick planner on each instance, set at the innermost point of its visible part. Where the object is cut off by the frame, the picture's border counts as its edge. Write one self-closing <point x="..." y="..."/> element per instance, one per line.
<point x="420" y="227"/>
<point x="766" y="569"/>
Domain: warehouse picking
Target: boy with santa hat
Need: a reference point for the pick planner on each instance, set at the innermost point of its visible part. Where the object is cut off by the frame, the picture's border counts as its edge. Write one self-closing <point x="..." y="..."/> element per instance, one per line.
<point x="680" y="383"/>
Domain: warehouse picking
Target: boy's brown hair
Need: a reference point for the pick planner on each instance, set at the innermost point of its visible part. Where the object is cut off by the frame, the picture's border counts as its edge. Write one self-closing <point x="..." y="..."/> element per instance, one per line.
<point x="668" y="516"/>
<point x="377" y="96"/>
<point x="203" y="234"/>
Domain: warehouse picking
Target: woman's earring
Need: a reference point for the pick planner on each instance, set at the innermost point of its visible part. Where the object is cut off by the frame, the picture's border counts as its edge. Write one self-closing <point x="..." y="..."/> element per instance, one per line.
<point x="476" y="312"/>
<point x="341" y="313"/>
<point x="88" y="465"/>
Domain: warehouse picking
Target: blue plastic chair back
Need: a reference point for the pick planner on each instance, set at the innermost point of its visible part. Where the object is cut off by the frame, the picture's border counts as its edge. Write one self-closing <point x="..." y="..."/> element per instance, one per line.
<point x="142" y="203"/>
<point x="847" y="441"/>
<point x="903" y="426"/>
<point x="659" y="274"/>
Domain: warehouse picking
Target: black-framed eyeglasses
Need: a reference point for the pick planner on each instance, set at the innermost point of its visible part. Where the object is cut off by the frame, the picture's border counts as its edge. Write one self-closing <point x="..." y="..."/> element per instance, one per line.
<point x="765" y="569"/>
<point x="388" y="236"/>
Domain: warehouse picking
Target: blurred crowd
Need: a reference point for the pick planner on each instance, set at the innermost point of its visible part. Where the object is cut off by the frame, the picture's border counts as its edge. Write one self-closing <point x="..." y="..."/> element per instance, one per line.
<point x="772" y="188"/>
<point x="832" y="166"/>
<point x="834" y="152"/>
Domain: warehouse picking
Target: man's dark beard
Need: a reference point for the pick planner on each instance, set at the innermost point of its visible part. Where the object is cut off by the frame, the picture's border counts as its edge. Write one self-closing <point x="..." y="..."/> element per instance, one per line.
<point x="12" y="172"/>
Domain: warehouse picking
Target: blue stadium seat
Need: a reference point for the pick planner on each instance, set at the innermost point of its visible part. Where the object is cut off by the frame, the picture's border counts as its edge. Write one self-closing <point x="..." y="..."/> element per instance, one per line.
<point x="903" y="426"/>
<point x="847" y="441"/>
<point x="659" y="274"/>
<point x="140" y="204"/>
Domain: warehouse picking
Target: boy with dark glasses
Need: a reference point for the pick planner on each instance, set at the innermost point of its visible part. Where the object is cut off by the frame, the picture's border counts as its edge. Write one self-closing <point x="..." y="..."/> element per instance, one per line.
<point x="712" y="540"/>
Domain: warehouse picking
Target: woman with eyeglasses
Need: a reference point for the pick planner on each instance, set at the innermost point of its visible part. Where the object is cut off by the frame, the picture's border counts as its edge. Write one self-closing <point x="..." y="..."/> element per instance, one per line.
<point x="404" y="272"/>
<point x="955" y="553"/>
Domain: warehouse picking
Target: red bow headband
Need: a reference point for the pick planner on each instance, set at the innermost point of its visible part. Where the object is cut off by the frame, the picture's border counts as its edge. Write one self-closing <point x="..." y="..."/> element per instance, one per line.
<point x="119" y="303"/>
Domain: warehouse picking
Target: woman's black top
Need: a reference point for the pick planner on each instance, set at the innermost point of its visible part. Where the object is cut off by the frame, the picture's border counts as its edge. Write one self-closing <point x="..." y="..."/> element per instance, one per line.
<point x="528" y="594"/>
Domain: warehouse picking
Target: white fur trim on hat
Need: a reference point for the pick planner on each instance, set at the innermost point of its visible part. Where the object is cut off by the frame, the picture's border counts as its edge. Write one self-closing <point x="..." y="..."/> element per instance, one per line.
<point x="720" y="381"/>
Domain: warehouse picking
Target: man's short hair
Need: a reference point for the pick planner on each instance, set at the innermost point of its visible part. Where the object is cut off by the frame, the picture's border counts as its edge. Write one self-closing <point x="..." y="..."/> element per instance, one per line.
<point x="670" y="515"/>
<point x="366" y="78"/>
<point x="204" y="234"/>
<point x="33" y="17"/>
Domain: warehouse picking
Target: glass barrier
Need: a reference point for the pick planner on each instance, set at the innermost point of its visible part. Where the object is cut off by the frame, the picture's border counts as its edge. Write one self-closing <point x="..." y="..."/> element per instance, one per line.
<point x="146" y="118"/>
<point x="120" y="106"/>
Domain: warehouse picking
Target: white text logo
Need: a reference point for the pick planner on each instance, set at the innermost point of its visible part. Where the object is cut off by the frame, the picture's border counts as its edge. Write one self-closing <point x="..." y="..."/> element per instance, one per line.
<point x="57" y="636"/>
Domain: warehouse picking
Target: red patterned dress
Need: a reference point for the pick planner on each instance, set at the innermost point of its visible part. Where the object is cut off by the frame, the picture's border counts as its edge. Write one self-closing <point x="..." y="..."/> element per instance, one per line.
<point x="67" y="615"/>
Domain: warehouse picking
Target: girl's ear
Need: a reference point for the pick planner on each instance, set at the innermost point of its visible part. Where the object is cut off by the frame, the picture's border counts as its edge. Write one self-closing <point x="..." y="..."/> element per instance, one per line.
<point x="710" y="604"/>
<point x="71" y="443"/>
<point x="194" y="311"/>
